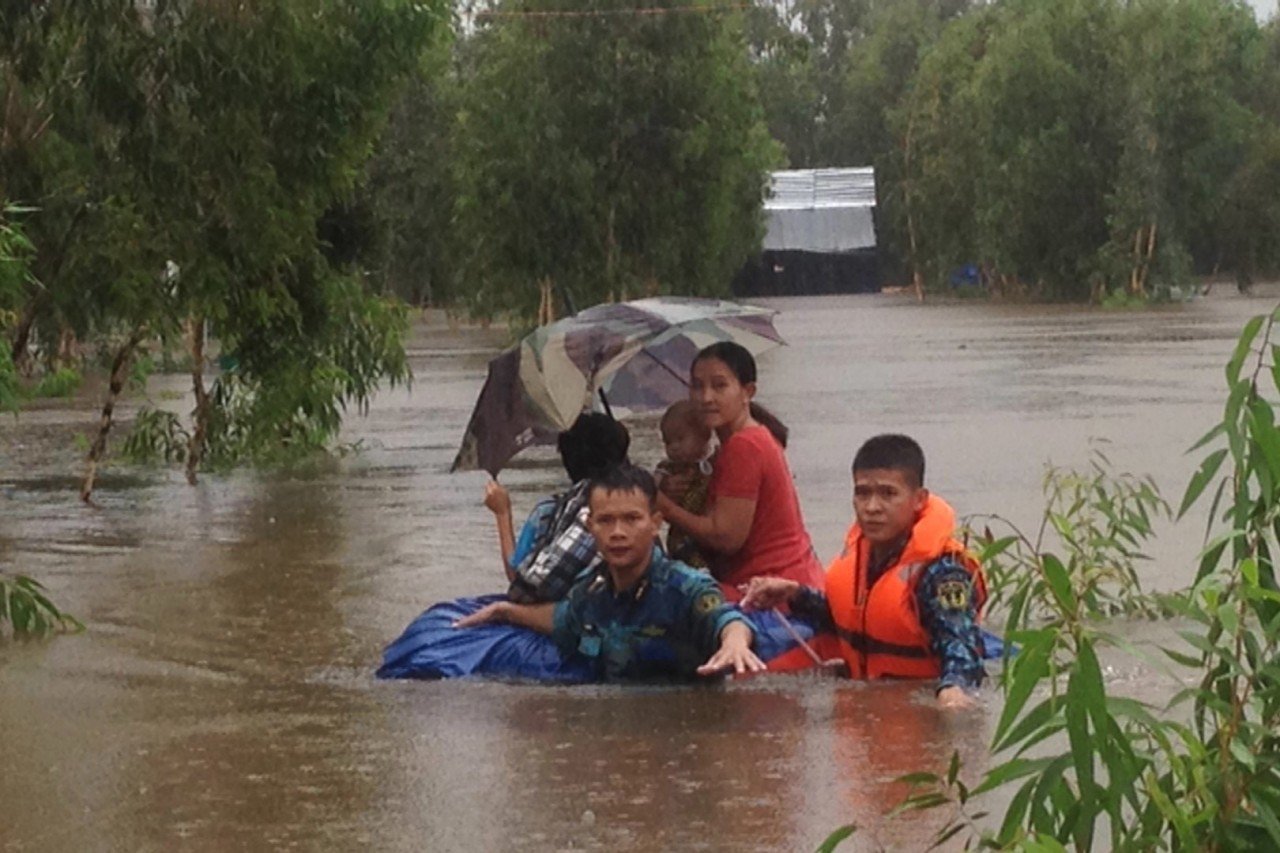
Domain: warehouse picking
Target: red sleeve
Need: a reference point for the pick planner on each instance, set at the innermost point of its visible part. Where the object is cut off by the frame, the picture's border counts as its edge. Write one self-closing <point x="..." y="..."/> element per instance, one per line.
<point x="739" y="469"/>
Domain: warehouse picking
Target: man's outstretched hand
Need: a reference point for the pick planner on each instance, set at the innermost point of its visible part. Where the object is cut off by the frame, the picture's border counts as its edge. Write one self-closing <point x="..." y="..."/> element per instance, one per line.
<point x="956" y="697"/>
<point x="734" y="654"/>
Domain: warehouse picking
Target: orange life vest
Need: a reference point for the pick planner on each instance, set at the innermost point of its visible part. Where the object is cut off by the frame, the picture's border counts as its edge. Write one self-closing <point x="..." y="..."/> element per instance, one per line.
<point x="879" y="630"/>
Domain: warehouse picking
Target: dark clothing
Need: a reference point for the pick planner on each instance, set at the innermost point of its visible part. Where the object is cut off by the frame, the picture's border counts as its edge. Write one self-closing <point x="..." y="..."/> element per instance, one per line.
<point x="666" y="626"/>
<point x="946" y="602"/>
<point x="554" y="548"/>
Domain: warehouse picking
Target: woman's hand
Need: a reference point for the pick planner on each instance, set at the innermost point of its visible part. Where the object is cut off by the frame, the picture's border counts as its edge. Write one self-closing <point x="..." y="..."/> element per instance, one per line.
<point x="675" y="485"/>
<point x="496" y="498"/>
<point x="763" y="593"/>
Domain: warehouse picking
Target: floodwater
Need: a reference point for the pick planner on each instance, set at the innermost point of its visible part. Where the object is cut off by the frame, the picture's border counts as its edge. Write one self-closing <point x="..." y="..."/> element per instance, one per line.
<point x="223" y="695"/>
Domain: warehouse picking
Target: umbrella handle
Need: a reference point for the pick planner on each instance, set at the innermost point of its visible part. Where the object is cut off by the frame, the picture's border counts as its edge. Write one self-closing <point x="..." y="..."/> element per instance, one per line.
<point x="603" y="399"/>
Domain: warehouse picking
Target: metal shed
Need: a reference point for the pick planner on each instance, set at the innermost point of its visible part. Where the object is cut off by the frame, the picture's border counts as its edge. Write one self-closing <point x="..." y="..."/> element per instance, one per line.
<point x="821" y="210"/>
<point x="820" y="235"/>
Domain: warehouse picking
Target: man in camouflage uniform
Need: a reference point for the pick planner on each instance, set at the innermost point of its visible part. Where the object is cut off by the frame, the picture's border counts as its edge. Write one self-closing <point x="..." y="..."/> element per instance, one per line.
<point x="641" y="614"/>
<point x="903" y="598"/>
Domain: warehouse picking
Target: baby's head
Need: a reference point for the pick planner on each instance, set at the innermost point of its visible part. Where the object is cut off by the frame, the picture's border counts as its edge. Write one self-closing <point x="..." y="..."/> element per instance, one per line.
<point x="684" y="433"/>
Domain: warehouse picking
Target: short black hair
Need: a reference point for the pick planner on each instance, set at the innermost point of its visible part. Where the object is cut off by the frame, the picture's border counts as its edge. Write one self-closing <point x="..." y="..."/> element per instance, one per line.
<point x="625" y="478"/>
<point x="736" y="357"/>
<point x="594" y="443"/>
<point x="895" y="452"/>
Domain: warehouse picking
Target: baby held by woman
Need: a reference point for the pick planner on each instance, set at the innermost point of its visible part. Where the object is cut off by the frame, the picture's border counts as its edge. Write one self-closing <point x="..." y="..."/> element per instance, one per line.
<point x="687" y="440"/>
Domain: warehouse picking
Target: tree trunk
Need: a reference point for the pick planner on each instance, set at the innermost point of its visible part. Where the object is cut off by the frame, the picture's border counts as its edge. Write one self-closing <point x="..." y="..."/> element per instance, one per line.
<point x="22" y="334"/>
<point x="119" y="367"/>
<point x="917" y="279"/>
<point x="546" y="302"/>
<point x="1142" y="259"/>
<point x="200" y="416"/>
<point x="45" y="272"/>
<point x="1137" y="261"/>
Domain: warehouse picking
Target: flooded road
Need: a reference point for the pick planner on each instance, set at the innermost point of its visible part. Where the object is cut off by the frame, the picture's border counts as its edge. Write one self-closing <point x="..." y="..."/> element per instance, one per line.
<point x="223" y="694"/>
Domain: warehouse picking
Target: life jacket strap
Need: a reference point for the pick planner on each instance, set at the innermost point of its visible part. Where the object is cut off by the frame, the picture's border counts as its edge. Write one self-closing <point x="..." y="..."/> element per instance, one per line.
<point x="866" y="645"/>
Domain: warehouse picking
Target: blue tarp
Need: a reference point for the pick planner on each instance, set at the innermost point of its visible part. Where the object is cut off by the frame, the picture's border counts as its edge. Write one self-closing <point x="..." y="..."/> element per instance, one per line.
<point x="432" y="648"/>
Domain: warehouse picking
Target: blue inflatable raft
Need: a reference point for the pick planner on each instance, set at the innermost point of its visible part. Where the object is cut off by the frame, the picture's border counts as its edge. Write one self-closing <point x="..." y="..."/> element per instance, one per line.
<point x="432" y="648"/>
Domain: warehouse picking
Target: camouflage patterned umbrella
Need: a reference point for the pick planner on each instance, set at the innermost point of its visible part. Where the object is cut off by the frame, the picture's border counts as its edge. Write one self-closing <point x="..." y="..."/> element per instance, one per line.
<point x="638" y="353"/>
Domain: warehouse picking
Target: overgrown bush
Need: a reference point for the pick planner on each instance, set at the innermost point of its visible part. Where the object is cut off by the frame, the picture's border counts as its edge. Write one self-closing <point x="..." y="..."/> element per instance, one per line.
<point x="1096" y="522"/>
<point x="1093" y="770"/>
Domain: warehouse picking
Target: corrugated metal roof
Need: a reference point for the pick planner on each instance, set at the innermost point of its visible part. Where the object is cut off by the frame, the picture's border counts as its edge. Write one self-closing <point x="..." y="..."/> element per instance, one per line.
<point x="812" y="189"/>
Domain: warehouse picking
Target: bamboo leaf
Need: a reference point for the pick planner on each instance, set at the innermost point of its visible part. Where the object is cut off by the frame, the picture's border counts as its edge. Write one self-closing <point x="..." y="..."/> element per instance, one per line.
<point x="1036" y="718"/>
<point x="1200" y="479"/>
<point x="1029" y="667"/>
<point x="835" y="839"/>
<point x="1059" y="581"/>
<point x="1243" y="345"/>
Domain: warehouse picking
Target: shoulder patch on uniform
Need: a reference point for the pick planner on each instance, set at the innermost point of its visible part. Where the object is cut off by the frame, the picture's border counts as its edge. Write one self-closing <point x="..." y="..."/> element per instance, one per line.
<point x="954" y="595"/>
<point x="708" y="602"/>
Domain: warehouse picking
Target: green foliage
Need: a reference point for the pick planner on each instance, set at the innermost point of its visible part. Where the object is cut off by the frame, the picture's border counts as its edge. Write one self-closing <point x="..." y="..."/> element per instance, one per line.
<point x="1070" y="148"/>
<point x="157" y="436"/>
<point x="608" y="155"/>
<point x="63" y="382"/>
<point x="15" y="251"/>
<point x="412" y="190"/>
<point x="1095" y="521"/>
<point x="190" y="160"/>
<point x="1090" y="769"/>
<point x="28" y="612"/>
<point x="836" y="838"/>
<point x="10" y="396"/>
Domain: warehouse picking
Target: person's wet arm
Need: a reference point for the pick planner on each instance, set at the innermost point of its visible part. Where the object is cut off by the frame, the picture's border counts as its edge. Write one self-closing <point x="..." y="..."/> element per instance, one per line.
<point x="723" y="636"/>
<point x="498" y="501"/>
<point x="567" y="620"/>
<point x="764" y="593"/>
<point x="812" y="605"/>
<point x="535" y="617"/>
<point x="948" y="612"/>
<point x="724" y="530"/>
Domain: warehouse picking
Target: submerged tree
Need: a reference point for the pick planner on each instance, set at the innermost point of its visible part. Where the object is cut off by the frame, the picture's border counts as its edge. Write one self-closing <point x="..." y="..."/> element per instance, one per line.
<point x="179" y="157"/>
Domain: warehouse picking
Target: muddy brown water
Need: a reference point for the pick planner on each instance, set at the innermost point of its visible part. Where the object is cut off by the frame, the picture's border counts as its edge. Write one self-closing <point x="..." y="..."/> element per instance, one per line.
<point x="223" y="697"/>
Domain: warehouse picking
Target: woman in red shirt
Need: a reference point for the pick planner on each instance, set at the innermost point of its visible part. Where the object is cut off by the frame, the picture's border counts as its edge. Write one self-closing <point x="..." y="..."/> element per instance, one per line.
<point x="753" y="525"/>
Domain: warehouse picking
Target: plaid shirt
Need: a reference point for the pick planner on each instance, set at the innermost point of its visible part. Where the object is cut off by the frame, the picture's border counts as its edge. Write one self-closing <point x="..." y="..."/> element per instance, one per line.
<point x="554" y="548"/>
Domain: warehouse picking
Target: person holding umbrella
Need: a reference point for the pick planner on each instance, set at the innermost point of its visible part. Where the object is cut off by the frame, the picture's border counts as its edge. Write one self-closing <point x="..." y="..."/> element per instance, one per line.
<point x="754" y="526"/>
<point x="555" y="545"/>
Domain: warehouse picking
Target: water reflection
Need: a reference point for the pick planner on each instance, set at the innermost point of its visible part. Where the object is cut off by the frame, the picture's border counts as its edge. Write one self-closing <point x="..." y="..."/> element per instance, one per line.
<point x="263" y="756"/>
<point x="885" y="730"/>
<point x="662" y="767"/>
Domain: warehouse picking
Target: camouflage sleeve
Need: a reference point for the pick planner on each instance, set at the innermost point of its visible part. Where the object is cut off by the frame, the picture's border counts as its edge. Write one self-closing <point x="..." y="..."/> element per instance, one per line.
<point x="566" y="620"/>
<point x="811" y="605"/>
<point x="708" y="613"/>
<point x="948" y="614"/>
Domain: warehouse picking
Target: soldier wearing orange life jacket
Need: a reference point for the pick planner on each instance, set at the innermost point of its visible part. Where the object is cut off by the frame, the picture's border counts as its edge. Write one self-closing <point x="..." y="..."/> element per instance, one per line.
<point x="902" y="599"/>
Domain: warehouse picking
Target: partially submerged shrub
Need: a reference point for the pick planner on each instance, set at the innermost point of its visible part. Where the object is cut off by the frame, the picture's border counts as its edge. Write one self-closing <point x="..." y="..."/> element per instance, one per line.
<point x="1095" y="770"/>
<point x="28" y="612"/>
